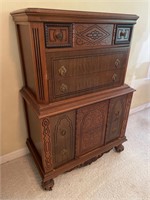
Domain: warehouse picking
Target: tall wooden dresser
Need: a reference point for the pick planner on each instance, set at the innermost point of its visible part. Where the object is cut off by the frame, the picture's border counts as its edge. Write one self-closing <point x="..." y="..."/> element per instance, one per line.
<point x="74" y="65"/>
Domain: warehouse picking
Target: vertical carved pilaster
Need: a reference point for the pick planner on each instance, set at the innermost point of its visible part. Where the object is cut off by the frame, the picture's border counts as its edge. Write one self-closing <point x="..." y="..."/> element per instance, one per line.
<point x="46" y="140"/>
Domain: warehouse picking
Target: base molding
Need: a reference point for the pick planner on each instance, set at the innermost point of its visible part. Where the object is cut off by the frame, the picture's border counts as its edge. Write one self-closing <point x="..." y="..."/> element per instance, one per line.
<point x="24" y="151"/>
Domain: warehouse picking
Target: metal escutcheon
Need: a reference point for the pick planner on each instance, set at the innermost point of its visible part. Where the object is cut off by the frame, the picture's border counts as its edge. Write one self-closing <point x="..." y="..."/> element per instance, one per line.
<point x="114" y="77"/>
<point x="63" y="88"/>
<point x="62" y="71"/>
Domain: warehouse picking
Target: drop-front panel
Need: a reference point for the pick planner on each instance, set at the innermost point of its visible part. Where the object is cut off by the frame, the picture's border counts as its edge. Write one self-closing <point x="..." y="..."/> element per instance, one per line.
<point x="77" y="105"/>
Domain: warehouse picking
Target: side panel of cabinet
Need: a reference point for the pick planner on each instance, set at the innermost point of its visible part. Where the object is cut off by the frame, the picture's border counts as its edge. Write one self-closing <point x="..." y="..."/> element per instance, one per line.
<point x="91" y="123"/>
<point x="63" y="134"/>
<point x="115" y="117"/>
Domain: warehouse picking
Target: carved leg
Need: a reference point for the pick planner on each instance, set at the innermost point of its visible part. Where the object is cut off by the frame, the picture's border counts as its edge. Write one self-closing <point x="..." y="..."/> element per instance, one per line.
<point x="119" y="148"/>
<point x="48" y="185"/>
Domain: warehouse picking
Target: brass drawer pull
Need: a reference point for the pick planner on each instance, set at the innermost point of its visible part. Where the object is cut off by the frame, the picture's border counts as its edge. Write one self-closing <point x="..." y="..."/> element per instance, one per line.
<point x="63" y="88"/>
<point x="117" y="63"/>
<point x="114" y="77"/>
<point x="59" y="36"/>
<point x="62" y="71"/>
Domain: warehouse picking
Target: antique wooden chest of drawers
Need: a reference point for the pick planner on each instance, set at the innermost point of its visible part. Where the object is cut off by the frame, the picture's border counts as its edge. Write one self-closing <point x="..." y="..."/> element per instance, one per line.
<point x="74" y="65"/>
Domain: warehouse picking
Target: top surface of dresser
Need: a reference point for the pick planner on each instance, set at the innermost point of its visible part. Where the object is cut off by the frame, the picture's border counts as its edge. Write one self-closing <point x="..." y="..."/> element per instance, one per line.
<point x="71" y="53"/>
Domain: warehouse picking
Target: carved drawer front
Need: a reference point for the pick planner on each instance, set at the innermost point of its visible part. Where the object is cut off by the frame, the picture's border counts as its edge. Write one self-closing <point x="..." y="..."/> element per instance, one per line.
<point x="63" y="133"/>
<point x="86" y="35"/>
<point x="75" y="86"/>
<point x="91" y="123"/>
<point x="115" y="118"/>
<point x="58" y="35"/>
<point x="123" y="34"/>
<point x="88" y="64"/>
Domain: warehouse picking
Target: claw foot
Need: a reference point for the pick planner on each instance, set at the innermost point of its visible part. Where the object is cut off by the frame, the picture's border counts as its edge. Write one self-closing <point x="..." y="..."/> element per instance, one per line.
<point x="48" y="185"/>
<point x="119" y="148"/>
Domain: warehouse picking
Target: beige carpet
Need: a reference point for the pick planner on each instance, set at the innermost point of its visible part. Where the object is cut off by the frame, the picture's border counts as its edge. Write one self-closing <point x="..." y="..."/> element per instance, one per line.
<point x="114" y="176"/>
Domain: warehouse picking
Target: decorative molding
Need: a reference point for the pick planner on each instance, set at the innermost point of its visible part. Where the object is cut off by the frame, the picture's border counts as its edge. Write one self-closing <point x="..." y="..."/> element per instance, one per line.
<point x="38" y="61"/>
<point x="13" y="155"/>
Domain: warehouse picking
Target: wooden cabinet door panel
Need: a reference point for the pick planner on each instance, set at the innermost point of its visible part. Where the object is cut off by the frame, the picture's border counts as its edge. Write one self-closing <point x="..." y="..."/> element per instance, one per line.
<point x="63" y="133"/>
<point x="115" y="118"/>
<point x="91" y="123"/>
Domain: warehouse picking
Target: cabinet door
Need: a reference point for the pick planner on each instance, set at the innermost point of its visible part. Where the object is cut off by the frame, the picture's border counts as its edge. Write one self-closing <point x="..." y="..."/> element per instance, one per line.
<point x="63" y="133"/>
<point x="91" y="123"/>
<point x="115" y="118"/>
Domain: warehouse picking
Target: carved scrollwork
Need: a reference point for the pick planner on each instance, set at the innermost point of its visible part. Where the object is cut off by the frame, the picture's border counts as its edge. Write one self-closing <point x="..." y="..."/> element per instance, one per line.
<point x="46" y="144"/>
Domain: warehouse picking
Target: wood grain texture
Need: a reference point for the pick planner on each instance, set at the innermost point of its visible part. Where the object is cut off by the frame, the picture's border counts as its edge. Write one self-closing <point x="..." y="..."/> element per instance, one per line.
<point x="91" y="123"/>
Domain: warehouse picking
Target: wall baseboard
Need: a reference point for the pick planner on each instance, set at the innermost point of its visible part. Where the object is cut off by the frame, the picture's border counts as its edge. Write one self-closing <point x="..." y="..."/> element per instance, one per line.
<point x="15" y="154"/>
<point x="139" y="108"/>
<point x="22" y="152"/>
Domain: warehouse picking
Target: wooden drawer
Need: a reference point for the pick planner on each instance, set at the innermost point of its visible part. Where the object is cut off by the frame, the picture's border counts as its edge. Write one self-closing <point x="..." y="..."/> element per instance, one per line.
<point x="75" y="86"/>
<point x="86" y="35"/>
<point x="58" y="35"/>
<point x="88" y="64"/>
<point x="123" y="34"/>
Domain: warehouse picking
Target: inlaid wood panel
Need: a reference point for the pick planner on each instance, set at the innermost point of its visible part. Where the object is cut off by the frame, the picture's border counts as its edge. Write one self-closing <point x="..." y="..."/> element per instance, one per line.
<point x="63" y="134"/>
<point x="115" y="118"/>
<point x="58" y="35"/>
<point x="91" y="123"/>
<point x="92" y="35"/>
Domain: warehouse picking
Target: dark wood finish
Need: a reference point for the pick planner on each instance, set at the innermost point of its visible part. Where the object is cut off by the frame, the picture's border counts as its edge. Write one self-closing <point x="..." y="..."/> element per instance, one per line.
<point x="77" y="105"/>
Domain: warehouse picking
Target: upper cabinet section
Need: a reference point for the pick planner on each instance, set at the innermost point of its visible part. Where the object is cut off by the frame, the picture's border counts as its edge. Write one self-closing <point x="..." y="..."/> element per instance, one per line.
<point x="79" y="29"/>
<point x="71" y="53"/>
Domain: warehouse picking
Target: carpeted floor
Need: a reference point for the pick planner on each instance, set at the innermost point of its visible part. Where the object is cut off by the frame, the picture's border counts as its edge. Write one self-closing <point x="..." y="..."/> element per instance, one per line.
<point x="114" y="176"/>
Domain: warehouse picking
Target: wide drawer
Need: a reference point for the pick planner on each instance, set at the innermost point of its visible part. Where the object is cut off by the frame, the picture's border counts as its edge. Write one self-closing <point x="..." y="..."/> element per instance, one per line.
<point x="75" y="86"/>
<point x="88" y="64"/>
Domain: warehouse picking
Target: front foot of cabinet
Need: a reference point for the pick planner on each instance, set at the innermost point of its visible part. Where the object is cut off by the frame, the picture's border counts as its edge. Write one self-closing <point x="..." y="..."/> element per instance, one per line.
<point x="48" y="185"/>
<point x="119" y="148"/>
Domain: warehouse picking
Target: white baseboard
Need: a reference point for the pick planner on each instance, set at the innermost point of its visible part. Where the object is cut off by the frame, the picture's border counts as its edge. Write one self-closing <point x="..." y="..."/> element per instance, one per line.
<point x="139" y="108"/>
<point x="24" y="151"/>
<point x="15" y="154"/>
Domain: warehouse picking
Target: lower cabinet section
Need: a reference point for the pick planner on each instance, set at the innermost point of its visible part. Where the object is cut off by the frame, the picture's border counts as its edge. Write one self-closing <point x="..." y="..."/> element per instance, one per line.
<point x="71" y="138"/>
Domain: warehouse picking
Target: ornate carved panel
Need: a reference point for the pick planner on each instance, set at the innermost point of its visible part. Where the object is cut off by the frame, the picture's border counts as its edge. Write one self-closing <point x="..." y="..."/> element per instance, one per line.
<point x="92" y="34"/>
<point x="63" y="133"/>
<point x="91" y="122"/>
<point x="115" y="118"/>
<point x="46" y="139"/>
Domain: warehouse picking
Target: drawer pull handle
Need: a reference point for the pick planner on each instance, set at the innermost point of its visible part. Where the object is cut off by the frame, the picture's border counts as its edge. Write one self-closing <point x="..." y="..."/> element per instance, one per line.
<point x="117" y="63"/>
<point x="123" y="34"/>
<point x="59" y="36"/>
<point x="62" y="71"/>
<point x="64" y="152"/>
<point x="63" y="88"/>
<point x="114" y="77"/>
<point x="63" y="132"/>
